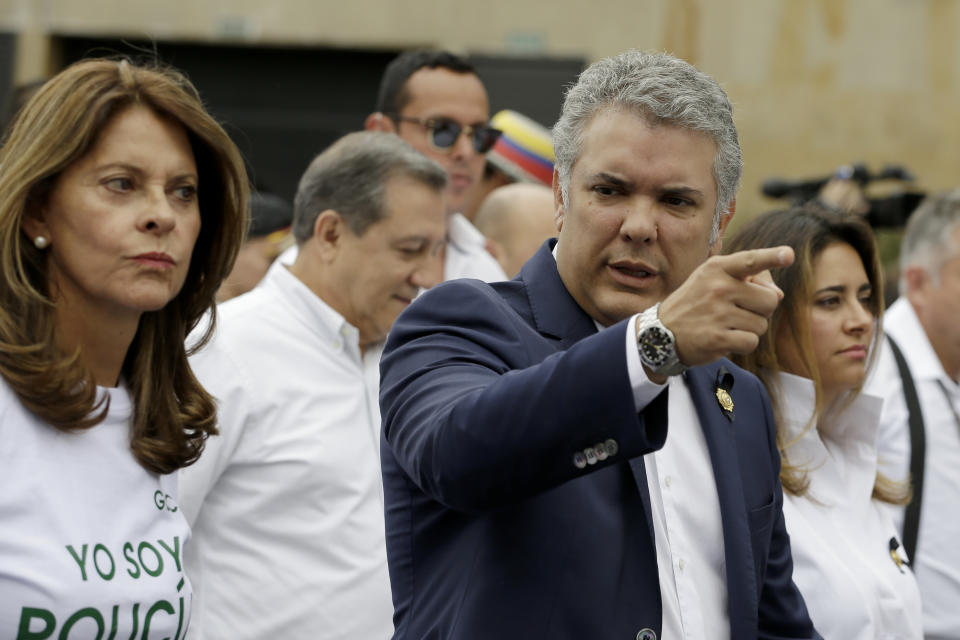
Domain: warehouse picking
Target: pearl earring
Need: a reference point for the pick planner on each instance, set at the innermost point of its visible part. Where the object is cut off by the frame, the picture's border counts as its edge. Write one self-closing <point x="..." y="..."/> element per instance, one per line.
<point x="41" y="242"/>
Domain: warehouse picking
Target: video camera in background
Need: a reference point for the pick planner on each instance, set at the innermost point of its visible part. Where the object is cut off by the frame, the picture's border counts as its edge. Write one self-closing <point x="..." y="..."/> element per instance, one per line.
<point x="890" y="211"/>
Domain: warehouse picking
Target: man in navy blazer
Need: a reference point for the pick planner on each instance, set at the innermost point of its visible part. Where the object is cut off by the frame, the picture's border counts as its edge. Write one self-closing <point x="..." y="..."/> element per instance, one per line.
<point x="531" y="488"/>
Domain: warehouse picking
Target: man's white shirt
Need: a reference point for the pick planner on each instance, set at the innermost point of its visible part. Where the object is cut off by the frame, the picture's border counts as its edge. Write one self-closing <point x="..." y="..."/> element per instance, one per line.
<point x="937" y="562"/>
<point x="685" y="507"/>
<point x="287" y="503"/>
<point x="466" y="253"/>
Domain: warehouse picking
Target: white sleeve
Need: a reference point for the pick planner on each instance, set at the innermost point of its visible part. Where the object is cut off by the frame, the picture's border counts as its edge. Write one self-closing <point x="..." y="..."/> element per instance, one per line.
<point x="644" y="390"/>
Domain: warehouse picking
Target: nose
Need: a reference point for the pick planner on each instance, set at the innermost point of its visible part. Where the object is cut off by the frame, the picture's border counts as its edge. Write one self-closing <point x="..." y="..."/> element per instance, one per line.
<point x="640" y="223"/>
<point x="157" y="216"/>
<point x="859" y="320"/>
<point x="429" y="271"/>
<point x="463" y="147"/>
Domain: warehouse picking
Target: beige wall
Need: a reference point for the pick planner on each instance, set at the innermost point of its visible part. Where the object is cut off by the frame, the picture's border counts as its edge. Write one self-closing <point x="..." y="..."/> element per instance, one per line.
<point x="816" y="83"/>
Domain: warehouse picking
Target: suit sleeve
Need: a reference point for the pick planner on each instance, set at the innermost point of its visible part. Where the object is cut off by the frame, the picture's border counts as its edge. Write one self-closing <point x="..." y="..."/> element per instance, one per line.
<point x="479" y="417"/>
<point x="782" y="613"/>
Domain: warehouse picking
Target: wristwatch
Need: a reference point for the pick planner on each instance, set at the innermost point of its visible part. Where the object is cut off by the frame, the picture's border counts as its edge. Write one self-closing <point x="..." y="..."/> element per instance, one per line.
<point x="656" y="344"/>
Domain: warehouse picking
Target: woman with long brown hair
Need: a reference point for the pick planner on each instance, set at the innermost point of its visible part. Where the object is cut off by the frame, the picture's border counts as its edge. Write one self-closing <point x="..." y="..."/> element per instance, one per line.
<point x="813" y="360"/>
<point x="122" y="205"/>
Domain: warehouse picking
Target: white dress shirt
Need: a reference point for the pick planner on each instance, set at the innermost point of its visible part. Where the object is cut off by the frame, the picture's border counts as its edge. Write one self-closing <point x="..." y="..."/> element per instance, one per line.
<point x="685" y="506"/>
<point x="287" y="503"/>
<point x="937" y="565"/>
<point x="841" y="536"/>
<point x="466" y="253"/>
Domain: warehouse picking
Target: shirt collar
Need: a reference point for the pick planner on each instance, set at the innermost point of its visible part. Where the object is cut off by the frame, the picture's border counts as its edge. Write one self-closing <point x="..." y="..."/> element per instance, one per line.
<point x="855" y="419"/>
<point x="902" y="323"/>
<point x="461" y="233"/>
<point x="310" y="309"/>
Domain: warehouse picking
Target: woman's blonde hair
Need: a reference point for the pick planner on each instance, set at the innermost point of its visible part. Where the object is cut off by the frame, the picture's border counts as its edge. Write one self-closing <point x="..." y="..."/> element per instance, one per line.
<point x="173" y="414"/>
<point x="809" y="230"/>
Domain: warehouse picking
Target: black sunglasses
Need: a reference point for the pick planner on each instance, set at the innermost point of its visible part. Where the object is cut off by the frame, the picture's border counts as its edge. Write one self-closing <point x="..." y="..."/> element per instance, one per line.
<point x="444" y="133"/>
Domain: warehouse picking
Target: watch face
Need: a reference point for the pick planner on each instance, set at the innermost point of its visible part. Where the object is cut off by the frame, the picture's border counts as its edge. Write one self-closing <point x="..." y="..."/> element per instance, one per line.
<point x="655" y="346"/>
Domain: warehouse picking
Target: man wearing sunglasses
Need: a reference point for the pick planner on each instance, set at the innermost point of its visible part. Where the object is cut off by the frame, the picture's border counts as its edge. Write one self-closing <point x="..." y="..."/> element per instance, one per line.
<point x="435" y="101"/>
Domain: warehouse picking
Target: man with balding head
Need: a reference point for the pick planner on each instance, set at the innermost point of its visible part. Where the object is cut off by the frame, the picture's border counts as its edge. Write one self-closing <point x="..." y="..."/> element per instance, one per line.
<point x="516" y="219"/>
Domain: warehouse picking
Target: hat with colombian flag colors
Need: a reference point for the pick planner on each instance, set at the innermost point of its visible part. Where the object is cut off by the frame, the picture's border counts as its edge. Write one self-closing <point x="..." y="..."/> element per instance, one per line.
<point x="525" y="150"/>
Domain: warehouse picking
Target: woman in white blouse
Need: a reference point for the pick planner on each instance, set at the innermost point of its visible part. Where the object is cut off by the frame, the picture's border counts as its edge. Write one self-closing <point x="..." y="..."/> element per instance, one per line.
<point x="848" y="560"/>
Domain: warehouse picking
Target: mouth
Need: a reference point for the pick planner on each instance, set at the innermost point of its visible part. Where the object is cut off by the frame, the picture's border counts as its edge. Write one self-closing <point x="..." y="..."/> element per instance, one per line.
<point x="155" y="259"/>
<point x="632" y="274"/>
<point x="856" y="351"/>
<point x="459" y="182"/>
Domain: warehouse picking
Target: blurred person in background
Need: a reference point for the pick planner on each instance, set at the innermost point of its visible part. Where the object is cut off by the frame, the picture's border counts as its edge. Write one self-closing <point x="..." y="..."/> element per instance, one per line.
<point x="436" y="102"/>
<point x="287" y="504"/>
<point x="522" y="153"/>
<point x="122" y="206"/>
<point x="919" y="376"/>
<point x="517" y="219"/>
<point x="848" y="560"/>
<point x="267" y="237"/>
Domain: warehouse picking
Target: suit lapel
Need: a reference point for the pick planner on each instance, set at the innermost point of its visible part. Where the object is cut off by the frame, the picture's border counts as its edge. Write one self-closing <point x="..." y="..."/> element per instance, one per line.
<point x="738" y="551"/>
<point x="555" y="312"/>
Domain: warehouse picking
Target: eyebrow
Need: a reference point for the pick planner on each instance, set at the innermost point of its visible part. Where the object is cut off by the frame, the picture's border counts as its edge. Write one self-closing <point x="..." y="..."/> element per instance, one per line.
<point x="139" y="170"/>
<point x="612" y="179"/>
<point x="683" y="191"/>
<point x="623" y="183"/>
<point x="839" y="288"/>
<point x="478" y="123"/>
<point x="423" y="239"/>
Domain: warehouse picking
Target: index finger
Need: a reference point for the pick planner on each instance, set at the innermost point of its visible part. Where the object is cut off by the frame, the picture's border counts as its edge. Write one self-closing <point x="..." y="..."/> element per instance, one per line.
<point x="743" y="264"/>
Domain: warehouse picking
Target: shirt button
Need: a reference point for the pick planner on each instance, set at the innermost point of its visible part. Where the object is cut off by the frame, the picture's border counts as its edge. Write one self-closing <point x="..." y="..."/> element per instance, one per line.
<point x="682" y="564"/>
<point x="646" y="634"/>
<point x="579" y="460"/>
<point x="667" y="480"/>
<point x="612" y="447"/>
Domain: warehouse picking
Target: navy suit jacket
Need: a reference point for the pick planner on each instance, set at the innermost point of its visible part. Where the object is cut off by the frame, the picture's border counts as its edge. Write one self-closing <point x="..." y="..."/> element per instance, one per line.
<point x="488" y="395"/>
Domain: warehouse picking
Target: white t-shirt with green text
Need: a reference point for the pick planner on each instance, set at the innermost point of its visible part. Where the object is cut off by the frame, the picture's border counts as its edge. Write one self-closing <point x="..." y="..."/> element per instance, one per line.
<point x="91" y="543"/>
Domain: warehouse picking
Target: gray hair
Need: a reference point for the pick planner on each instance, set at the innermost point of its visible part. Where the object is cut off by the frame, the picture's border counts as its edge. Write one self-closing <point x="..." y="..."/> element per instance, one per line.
<point x="929" y="239"/>
<point x="663" y="90"/>
<point x="350" y="177"/>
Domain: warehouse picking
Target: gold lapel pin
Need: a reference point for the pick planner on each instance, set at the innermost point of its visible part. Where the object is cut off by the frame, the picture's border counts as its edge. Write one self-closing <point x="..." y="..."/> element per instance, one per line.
<point x="723" y="397"/>
<point x="722" y="391"/>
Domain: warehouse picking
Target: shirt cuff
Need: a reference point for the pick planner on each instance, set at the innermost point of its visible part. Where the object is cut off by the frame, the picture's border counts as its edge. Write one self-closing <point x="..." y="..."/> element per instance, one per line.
<point x="644" y="390"/>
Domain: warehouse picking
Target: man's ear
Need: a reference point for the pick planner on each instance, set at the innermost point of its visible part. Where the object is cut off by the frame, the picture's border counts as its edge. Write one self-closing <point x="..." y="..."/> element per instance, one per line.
<point x="725" y="219"/>
<point x="379" y="122"/>
<point x="558" y="204"/>
<point x="328" y="234"/>
<point x="918" y="284"/>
